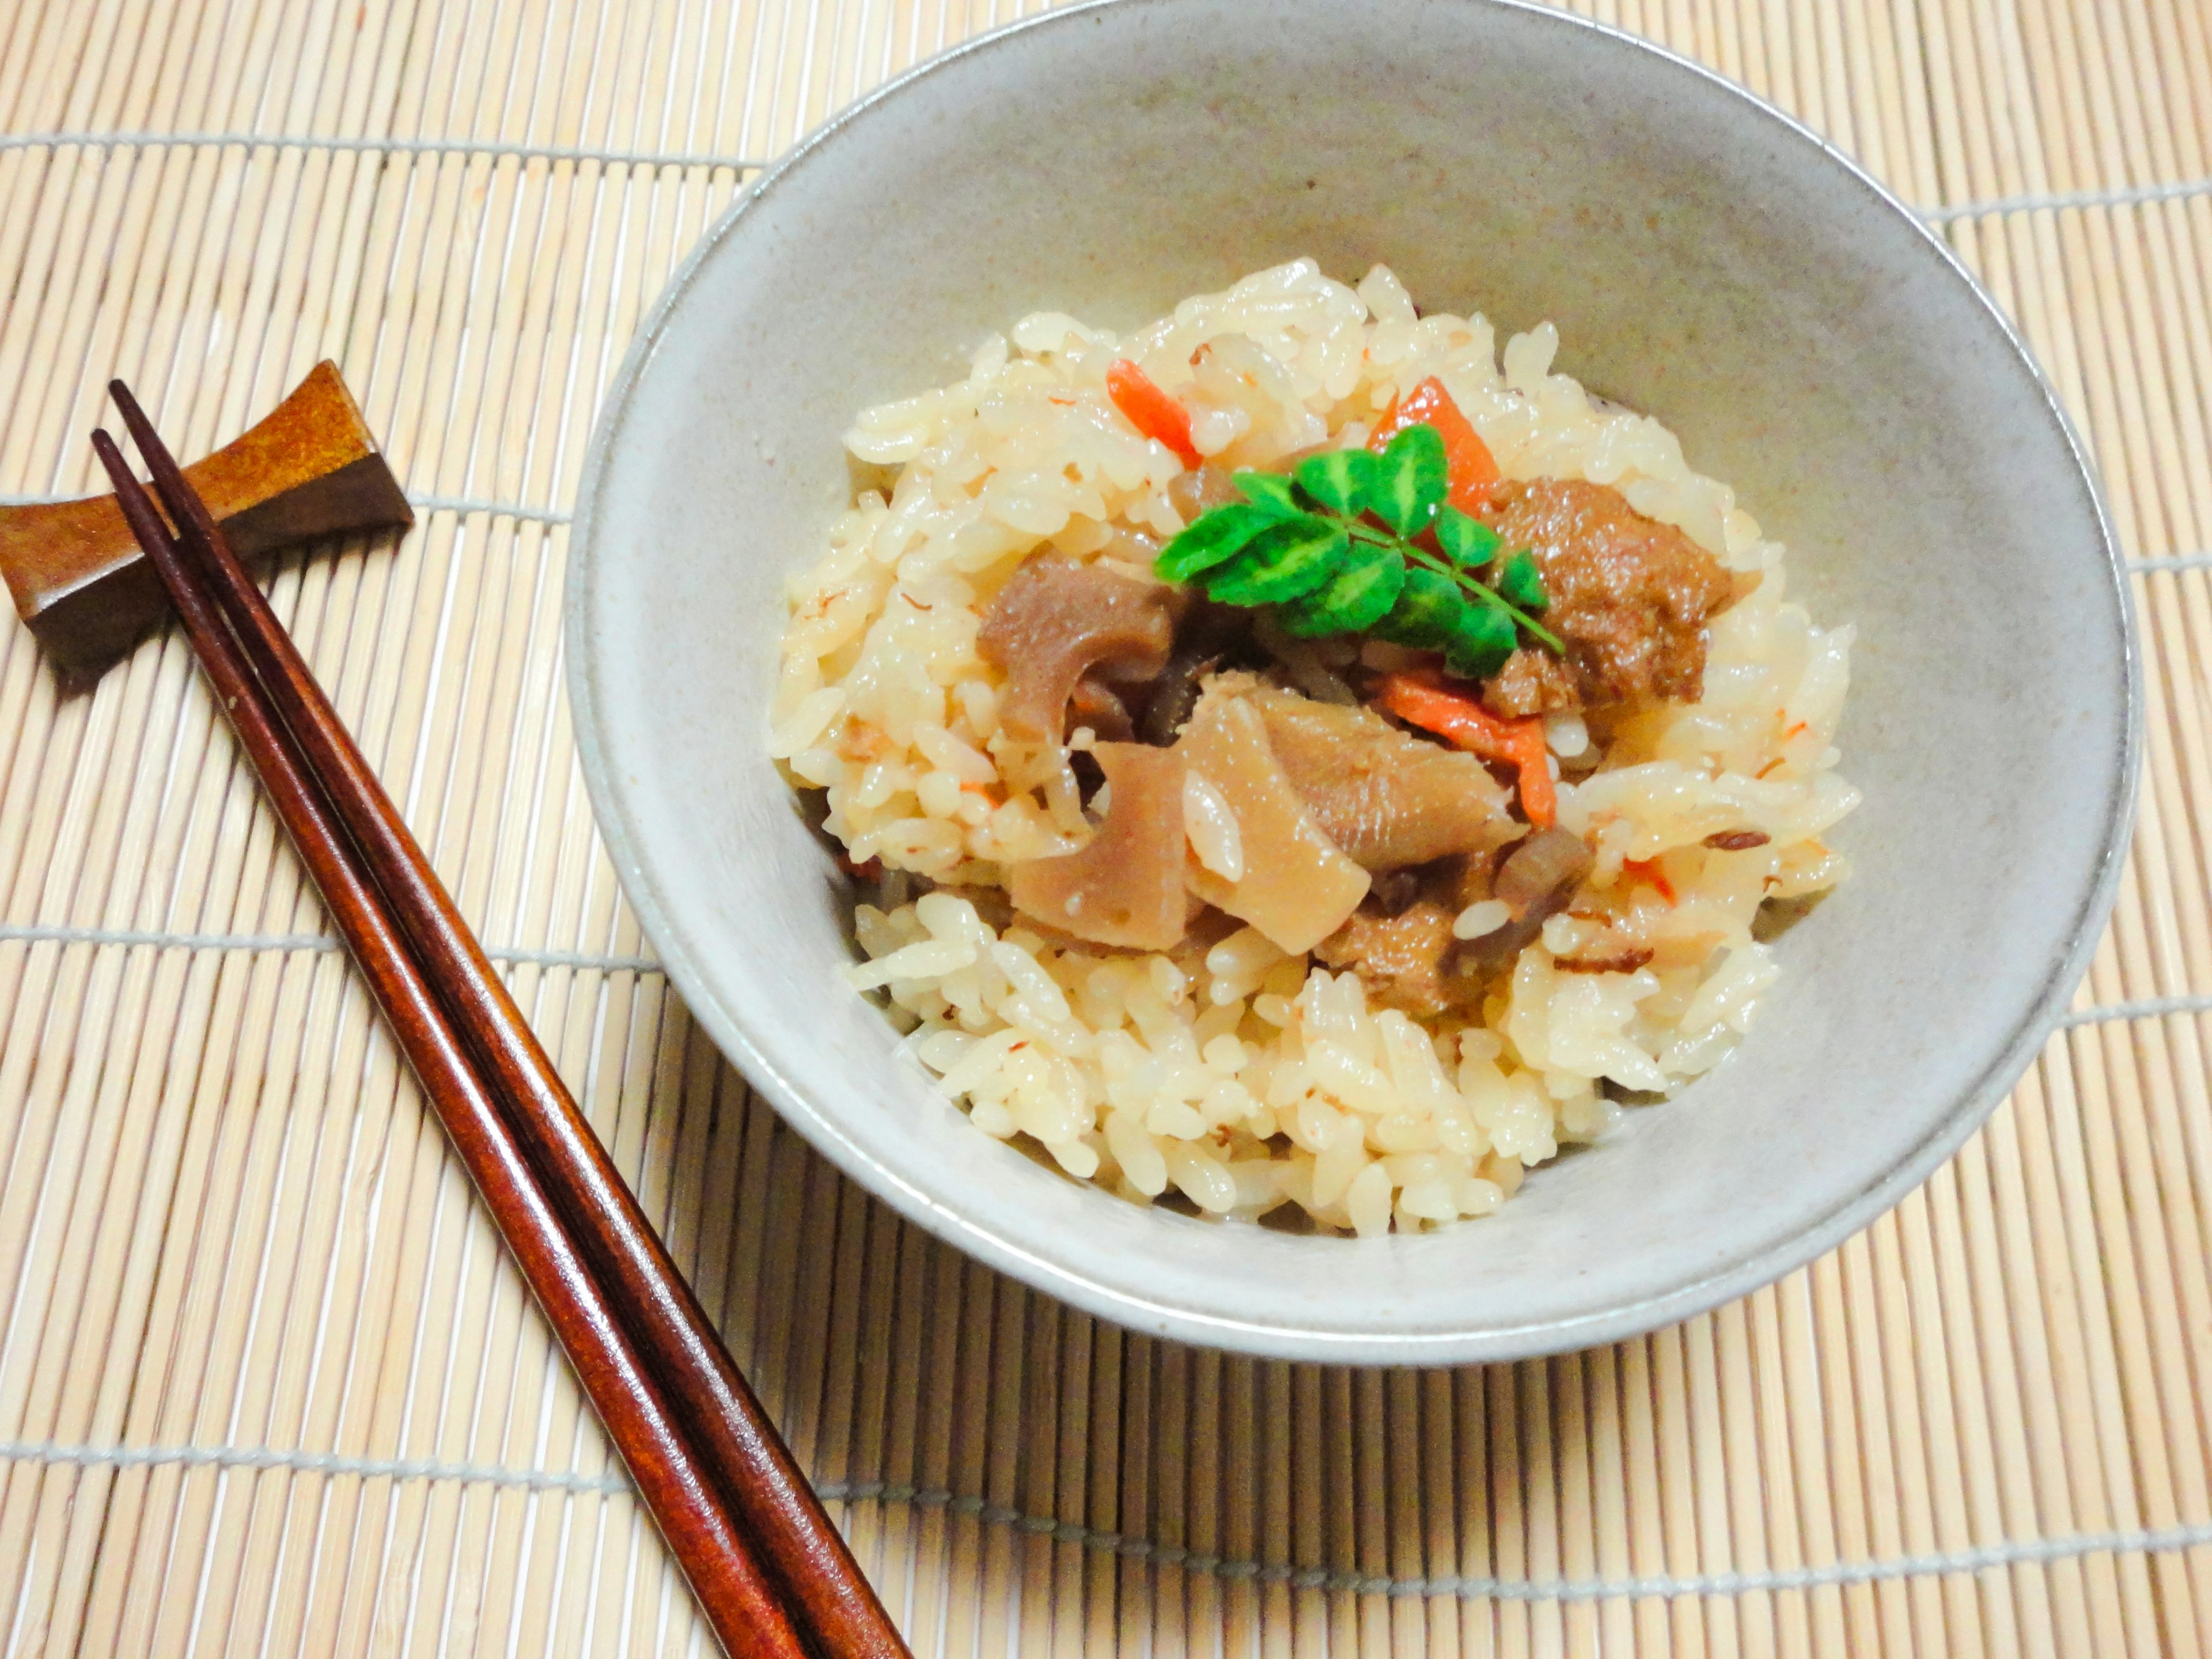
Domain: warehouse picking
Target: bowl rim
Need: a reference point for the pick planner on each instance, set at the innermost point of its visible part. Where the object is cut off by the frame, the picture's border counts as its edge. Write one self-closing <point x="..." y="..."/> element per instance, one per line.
<point x="2038" y="1020"/>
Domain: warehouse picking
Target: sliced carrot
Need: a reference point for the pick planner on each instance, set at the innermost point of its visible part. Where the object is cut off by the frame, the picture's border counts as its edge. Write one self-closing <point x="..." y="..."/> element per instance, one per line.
<point x="1150" y="410"/>
<point x="1473" y="469"/>
<point x="1423" y="700"/>
<point x="1648" y="870"/>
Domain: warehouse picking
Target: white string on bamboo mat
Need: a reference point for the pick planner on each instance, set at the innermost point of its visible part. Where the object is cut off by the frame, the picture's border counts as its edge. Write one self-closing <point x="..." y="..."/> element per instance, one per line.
<point x="2147" y="1008"/>
<point x="465" y="505"/>
<point x="1944" y="1564"/>
<point x="364" y="146"/>
<point x="2124" y="195"/>
<point x="2148" y="563"/>
<point x="41" y="934"/>
<point x="53" y="934"/>
<point x="461" y="505"/>
<point x="306" y="1462"/>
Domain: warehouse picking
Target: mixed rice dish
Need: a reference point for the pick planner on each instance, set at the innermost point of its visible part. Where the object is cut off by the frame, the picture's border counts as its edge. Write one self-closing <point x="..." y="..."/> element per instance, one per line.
<point x="1299" y="759"/>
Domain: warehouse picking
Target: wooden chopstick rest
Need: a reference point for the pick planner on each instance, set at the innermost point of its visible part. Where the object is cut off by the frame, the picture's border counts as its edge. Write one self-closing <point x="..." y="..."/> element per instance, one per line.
<point x="310" y="469"/>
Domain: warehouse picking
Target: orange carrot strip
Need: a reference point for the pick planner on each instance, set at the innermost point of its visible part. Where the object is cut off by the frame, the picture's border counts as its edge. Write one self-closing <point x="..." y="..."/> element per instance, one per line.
<point x="1422" y="699"/>
<point x="1150" y="410"/>
<point x="1648" y="869"/>
<point x="1473" y="469"/>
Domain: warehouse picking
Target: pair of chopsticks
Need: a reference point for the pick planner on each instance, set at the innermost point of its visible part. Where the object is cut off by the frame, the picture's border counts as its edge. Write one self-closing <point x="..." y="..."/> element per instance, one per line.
<point x="769" y="1569"/>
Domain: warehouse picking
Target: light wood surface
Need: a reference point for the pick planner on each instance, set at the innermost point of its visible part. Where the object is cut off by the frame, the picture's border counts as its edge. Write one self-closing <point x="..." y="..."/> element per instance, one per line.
<point x="266" y="1384"/>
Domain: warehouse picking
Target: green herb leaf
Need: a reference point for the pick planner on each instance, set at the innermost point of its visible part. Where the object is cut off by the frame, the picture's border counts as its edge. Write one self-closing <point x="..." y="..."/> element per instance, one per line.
<point x="1340" y="479"/>
<point x="1356" y="598"/>
<point x="1422" y="618"/>
<point x="1209" y="539"/>
<point x="1308" y="545"/>
<point x="1289" y="559"/>
<point x="1464" y="584"/>
<point x="1467" y="542"/>
<point x="1412" y="481"/>
<point x="1523" y="583"/>
<point x="1481" y="639"/>
<point x="1270" y="492"/>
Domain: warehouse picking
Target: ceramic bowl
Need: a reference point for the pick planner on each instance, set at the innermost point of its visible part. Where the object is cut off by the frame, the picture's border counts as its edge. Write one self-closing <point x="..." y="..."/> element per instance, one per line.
<point x="1706" y="260"/>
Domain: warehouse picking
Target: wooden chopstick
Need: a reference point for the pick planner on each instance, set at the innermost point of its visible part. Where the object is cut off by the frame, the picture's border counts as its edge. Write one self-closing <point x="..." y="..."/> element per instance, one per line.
<point x="683" y="1497"/>
<point x="800" y="1548"/>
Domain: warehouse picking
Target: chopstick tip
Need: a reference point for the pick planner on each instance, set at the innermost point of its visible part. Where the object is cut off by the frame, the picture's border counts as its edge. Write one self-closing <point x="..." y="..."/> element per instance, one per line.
<point x="169" y="483"/>
<point x="118" y="470"/>
<point x="133" y="415"/>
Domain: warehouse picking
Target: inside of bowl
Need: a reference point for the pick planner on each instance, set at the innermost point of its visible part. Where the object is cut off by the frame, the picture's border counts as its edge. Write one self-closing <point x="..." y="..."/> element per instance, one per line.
<point x="1704" y="262"/>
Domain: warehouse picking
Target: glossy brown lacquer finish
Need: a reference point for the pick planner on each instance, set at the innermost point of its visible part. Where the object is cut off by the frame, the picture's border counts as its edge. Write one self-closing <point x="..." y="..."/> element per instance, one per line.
<point x="718" y="1479"/>
<point x="311" y="468"/>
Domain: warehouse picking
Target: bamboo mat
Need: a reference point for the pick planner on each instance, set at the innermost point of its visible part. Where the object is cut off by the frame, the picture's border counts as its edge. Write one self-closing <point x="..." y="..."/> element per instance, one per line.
<point x="266" y="1385"/>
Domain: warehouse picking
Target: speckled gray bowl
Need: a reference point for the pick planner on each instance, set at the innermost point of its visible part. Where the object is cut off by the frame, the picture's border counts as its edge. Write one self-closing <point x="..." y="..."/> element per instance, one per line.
<point x="1705" y="260"/>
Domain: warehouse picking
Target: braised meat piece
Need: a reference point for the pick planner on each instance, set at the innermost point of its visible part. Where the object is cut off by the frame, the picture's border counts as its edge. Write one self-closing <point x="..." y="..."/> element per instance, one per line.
<point x="1404" y="960"/>
<point x="1629" y="595"/>
<point x="1400" y="942"/>
<point x="1533" y="682"/>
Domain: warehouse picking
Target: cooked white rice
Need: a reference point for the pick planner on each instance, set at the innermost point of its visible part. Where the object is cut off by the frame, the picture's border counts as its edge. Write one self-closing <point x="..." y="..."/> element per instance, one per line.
<point x="1237" y="1076"/>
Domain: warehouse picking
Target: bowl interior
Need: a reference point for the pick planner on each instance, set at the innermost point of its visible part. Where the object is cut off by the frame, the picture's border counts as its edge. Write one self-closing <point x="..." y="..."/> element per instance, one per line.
<point x="1705" y="261"/>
